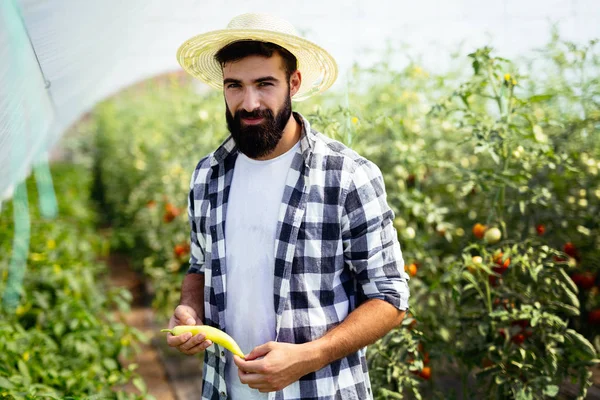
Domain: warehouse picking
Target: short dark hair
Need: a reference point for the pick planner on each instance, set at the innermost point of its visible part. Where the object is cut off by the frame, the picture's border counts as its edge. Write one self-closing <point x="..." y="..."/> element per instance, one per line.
<point x="243" y="48"/>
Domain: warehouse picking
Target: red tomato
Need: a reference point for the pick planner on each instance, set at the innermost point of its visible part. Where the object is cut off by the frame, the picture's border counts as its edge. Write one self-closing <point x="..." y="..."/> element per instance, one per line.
<point x="584" y="280"/>
<point x="518" y="338"/>
<point x="571" y="250"/>
<point x="541" y="229"/>
<point x="594" y="317"/>
<point x="523" y="323"/>
<point x="486" y="363"/>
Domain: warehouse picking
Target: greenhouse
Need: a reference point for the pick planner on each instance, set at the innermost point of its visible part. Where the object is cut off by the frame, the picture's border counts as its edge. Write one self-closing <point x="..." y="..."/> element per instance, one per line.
<point x="434" y="232"/>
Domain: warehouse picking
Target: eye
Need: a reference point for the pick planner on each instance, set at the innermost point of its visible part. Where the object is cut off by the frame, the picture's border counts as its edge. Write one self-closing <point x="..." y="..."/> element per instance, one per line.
<point x="233" y="85"/>
<point x="265" y="84"/>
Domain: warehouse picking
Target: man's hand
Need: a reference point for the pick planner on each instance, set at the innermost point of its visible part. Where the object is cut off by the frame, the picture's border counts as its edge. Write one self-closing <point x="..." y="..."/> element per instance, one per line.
<point x="281" y="365"/>
<point x="185" y="343"/>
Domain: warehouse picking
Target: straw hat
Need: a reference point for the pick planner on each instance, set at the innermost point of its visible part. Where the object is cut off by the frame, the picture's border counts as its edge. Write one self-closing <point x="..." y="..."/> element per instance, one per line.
<point x="197" y="55"/>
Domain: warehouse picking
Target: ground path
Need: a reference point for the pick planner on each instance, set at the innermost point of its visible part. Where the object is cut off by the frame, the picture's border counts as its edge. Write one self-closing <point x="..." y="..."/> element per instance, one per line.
<point x="168" y="374"/>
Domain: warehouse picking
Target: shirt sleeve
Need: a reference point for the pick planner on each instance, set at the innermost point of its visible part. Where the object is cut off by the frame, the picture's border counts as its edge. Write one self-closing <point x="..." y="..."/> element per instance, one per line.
<point x="197" y="239"/>
<point x="371" y="247"/>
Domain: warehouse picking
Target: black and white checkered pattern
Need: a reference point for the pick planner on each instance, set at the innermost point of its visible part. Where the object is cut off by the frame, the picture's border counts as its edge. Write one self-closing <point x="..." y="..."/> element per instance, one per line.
<point x="336" y="247"/>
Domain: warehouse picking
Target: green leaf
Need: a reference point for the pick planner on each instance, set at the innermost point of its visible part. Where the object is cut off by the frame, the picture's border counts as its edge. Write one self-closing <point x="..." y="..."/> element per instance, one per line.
<point x="139" y="384"/>
<point x="109" y="364"/>
<point x="24" y="373"/>
<point x="550" y="390"/>
<point x="539" y="98"/>
<point x="495" y="156"/>
<point x="567" y="280"/>
<point x="566" y="308"/>
<point x="577" y="339"/>
<point x="444" y="334"/>
<point x="572" y="297"/>
<point x="523" y="394"/>
<point x="471" y="279"/>
<point x="522" y="207"/>
<point x="5" y="383"/>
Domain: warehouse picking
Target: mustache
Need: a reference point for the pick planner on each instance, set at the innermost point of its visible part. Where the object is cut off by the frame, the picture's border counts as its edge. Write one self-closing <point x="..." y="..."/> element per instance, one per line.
<point x="254" y="114"/>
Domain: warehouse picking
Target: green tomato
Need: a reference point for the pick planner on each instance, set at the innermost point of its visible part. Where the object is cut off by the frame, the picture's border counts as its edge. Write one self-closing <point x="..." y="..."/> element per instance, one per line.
<point x="492" y="235"/>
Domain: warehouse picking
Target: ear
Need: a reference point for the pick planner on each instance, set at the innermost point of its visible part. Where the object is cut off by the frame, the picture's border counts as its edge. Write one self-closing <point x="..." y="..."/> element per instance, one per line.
<point x="295" y="82"/>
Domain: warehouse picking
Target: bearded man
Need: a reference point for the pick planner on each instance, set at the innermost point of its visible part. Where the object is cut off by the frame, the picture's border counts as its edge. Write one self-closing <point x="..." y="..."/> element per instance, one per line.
<point x="293" y="250"/>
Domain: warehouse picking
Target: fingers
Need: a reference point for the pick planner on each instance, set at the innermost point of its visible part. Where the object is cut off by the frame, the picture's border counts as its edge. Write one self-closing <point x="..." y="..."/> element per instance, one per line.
<point x="188" y="344"/>
<point x="176" y="341"/>
<point x="200" y="347"/>
<point x="185" y="314"/>
<point x="193" y="342"/>
<point x="260" y="351"/>
<point x="194" y="345"/>
<point x="255" y="381"/>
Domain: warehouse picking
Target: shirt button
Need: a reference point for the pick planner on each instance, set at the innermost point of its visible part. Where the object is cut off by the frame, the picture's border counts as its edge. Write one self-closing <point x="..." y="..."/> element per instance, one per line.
<point x="223" y="394"/>
<point x="222" y="353"/>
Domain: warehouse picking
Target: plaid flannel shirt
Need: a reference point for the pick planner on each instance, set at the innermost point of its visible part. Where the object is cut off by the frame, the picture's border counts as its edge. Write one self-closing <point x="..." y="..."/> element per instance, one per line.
<point x="336" y="247"/>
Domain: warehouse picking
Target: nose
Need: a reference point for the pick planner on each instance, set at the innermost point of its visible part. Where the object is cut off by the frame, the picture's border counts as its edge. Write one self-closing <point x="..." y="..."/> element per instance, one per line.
<point x="251" y="100"/>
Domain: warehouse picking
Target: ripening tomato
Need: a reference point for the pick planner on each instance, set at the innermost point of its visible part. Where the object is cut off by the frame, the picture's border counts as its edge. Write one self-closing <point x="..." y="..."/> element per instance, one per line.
<point x="425" y="373"/>
<point x="502" y="264"/>
<point x="412" y="269"/>
<point x="181" y="249"/>
<point x="476" y="263"/>
<point x="479" y="230"/>
<point x="171" y="212"/>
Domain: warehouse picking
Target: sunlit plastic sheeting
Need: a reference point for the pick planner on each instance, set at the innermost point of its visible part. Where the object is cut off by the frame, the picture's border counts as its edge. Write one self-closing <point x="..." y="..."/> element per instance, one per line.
<point x="26" y="110"/>
<point x="87" y="52"/>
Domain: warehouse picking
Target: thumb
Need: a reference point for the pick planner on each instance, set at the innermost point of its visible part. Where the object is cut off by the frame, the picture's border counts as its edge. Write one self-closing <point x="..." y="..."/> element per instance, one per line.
<point x="259" y="351"/>
<point x="185" y="316"/>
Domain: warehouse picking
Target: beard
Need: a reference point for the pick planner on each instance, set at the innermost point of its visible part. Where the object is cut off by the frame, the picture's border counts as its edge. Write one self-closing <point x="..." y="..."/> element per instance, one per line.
<point x="257" y="141"/>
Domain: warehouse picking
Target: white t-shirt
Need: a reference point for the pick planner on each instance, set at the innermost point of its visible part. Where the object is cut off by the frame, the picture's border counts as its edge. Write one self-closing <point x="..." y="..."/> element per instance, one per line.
<point x="250" y="227"/>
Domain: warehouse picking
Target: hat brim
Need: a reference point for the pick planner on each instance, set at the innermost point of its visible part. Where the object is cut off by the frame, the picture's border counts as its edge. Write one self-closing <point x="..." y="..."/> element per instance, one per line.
<point x="318" y="68"/>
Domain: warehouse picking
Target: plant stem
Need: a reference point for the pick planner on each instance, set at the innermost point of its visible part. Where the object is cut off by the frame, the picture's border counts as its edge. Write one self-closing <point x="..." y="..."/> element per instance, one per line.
<point x="495" y="88"/>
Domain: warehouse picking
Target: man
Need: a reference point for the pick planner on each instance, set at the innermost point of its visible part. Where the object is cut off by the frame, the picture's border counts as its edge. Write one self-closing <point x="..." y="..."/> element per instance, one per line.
<point x="293" y="251"/>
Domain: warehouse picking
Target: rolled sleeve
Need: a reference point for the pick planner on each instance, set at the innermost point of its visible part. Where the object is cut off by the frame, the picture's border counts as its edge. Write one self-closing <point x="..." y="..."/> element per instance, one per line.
<point x="196" y="237"/>
<point x="371" y="247"/>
